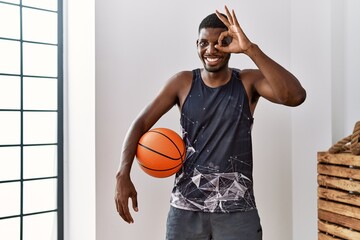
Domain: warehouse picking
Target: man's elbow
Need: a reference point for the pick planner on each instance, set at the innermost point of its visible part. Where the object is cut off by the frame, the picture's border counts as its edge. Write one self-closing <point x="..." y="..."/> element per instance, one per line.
<point x="296" y="99"/>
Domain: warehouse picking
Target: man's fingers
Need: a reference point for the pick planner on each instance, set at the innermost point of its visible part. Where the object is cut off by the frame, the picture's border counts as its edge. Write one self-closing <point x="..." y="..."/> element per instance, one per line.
<point x="126" y="213"/>
<point x="123" y="191"/>
<point x="135" y="203"/>
<point x="224" y="41"/>
<point x="220" y="39"/>
<point x="230" y="19"/>
<point x="235" y="19"/>
<point x="123" y="211"/>
<point x="222" y="18"/>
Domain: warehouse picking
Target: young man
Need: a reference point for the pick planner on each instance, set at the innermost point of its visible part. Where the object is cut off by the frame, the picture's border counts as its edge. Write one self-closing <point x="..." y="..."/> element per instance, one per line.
<point x="212" y="196"/>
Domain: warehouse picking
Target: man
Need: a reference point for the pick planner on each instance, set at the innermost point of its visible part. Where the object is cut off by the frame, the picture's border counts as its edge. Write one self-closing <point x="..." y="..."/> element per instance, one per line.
<point x="212" y="196"/>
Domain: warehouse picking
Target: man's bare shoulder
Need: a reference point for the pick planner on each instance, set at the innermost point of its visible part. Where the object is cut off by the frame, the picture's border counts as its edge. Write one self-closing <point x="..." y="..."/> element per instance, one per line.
<point x="250" y="75"/>
<point x="183" y="76"/>
<point x="182" y="81"/>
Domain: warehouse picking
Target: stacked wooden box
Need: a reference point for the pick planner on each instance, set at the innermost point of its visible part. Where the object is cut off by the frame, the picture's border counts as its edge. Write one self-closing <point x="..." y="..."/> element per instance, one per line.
<point x="338" y="196"/>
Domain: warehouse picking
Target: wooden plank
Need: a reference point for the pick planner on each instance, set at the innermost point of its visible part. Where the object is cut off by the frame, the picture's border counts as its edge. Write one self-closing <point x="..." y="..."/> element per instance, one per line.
<point x="339" y="158"/>
<point x="339" y="196"/>
<point x="339" y="208"/>
<point x="324" y="236"/>
<point x="343" y="184"/>
<point x="338" y="171"/>
<point x="339" y="219"/>
<point x="338" y="231"/>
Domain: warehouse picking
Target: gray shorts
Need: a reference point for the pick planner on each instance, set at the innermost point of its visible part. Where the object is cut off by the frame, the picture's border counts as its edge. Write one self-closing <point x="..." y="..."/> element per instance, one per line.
<point x="186" y="225"/>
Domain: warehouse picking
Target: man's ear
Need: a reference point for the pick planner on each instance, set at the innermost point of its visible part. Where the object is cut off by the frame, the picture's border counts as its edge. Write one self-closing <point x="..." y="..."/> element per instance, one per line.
<point x="197" y="42"/>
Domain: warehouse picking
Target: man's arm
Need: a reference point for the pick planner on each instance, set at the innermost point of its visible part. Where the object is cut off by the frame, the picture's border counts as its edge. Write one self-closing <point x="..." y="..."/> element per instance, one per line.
<point x="271" y="81"/>
<point x="125" y="189"/>
<point x="274" y="82"/>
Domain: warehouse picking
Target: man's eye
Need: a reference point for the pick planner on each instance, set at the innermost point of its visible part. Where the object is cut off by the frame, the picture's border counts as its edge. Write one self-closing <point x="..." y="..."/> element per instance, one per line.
<point x="203" y="44"/>
<point x="226" y="41"/>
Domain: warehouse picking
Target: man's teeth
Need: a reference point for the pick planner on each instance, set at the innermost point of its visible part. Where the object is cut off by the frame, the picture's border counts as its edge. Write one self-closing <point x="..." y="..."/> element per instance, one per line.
<point x="212" y="59"/>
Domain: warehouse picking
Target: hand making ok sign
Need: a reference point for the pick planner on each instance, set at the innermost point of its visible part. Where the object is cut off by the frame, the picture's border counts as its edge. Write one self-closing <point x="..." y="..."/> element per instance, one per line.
<point x="239" y="41"/>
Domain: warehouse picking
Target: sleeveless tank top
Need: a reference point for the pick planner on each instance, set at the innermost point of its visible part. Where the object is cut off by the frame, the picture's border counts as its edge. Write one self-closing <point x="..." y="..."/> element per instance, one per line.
<point x="216" y="127"/>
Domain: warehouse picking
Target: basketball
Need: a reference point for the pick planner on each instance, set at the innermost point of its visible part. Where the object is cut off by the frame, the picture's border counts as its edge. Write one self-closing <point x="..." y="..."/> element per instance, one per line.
<point x="160" y="152"/>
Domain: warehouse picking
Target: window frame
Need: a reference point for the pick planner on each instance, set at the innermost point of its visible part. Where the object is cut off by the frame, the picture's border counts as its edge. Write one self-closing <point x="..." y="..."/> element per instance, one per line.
<point x="60" y="120"/>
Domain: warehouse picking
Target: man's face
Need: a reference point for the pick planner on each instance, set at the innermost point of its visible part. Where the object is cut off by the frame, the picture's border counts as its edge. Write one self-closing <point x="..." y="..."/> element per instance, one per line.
<point x="213" y="59"/>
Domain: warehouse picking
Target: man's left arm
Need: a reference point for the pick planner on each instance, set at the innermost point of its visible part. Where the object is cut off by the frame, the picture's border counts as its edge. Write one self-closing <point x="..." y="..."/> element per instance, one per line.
<point x="275" y="83"/>
<point x="271" y="81"/>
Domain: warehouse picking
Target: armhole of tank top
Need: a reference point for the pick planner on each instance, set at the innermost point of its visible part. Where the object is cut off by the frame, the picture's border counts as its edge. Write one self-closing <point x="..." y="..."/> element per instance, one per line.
<point x="194" y="74"/>
<point x="237" y="74"/>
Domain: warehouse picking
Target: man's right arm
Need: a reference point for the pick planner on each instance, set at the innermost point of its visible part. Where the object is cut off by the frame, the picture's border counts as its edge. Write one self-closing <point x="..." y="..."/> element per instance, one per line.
<point x="125" y="189"/>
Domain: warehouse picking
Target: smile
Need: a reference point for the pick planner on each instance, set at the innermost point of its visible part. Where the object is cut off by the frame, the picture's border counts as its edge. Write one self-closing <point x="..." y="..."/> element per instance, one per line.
<point x="212" y="59"/>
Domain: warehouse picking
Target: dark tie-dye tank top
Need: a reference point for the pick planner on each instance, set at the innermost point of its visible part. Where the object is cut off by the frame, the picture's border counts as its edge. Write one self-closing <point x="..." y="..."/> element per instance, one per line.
<point x="216" y="126"/>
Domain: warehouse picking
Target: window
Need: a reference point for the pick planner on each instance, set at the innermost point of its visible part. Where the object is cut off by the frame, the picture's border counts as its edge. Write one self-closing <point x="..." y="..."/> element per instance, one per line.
<point x="31" y="120"/>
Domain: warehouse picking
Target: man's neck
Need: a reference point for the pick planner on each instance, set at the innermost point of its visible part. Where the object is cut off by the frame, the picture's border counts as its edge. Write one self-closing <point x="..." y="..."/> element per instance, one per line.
<point x="216" y="79"/>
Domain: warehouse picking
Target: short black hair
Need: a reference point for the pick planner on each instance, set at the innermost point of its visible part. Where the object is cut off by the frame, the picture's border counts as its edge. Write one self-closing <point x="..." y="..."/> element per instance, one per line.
<point x="212" y="21"/>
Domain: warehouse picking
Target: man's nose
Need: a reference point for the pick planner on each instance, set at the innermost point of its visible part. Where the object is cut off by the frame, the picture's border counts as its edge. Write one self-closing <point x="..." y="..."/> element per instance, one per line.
<point x="211" y="48"/>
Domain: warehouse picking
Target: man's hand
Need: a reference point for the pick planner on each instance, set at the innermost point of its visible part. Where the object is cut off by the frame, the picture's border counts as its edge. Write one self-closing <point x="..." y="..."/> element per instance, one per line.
<point x="239" y="42"/>
<point x="124" y="190"/>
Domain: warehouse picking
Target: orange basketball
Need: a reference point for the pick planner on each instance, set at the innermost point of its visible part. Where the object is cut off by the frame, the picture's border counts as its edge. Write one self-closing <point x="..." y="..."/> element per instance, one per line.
<point x="160" y="152"/>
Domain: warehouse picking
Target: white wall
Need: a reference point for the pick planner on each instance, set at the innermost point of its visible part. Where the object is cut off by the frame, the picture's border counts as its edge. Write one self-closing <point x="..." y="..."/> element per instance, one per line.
<point x="79" y="42"/>
<point x="311" y="129"/>
<point x="345" y="67"/>
<point x="325" y="56"/>
<point x="352" y="64"/>
<point x="139" y="45"/>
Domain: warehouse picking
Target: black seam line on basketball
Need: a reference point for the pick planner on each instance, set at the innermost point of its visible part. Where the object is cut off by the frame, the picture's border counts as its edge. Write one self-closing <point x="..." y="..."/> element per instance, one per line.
<point x="159" y="170"/>
<point x="181" y="154"/>
<point x="152" y="150"/>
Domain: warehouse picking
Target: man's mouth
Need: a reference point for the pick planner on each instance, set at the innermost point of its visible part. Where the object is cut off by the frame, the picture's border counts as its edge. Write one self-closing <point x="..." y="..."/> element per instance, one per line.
<point x="212" y="60"/>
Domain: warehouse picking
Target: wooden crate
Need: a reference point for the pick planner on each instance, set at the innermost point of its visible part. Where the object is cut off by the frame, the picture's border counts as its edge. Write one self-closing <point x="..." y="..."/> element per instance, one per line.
<point x="338" y="196"/>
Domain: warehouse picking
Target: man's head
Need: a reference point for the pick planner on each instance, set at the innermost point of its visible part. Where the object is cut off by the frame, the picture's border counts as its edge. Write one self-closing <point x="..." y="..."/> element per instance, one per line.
<point x="210" y="29"/>
<point x="212" y="21"/>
